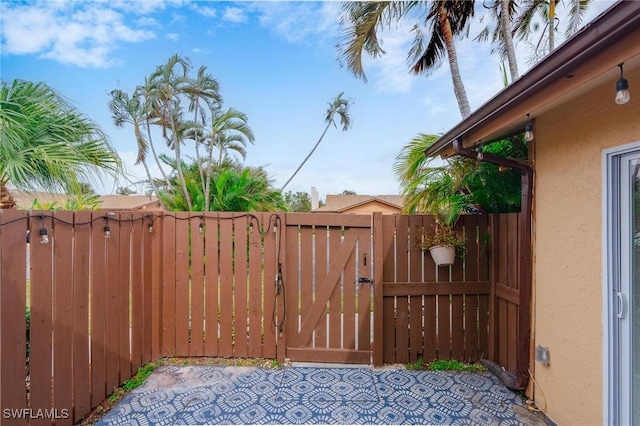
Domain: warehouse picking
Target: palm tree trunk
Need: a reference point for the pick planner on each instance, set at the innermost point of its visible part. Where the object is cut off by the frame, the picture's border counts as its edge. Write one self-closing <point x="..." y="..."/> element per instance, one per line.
<point x="6" y="199"/>
<point x="507" y="36"/>
<point x="458" y="86"/>
<point x="155" y="157"/>
<point x="207" y="190"/>
<point x="197" y="144"/>
<point x="176" y="147"/>
<point x="153" y="183"/>
<point x="307" y="157"/>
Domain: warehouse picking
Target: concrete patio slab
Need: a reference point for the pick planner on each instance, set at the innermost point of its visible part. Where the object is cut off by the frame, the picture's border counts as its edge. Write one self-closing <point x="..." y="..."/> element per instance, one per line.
<point x="191" y="395"/>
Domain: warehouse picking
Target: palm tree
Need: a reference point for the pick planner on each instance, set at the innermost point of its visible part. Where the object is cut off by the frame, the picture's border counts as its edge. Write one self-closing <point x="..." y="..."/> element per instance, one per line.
<point x="461" y="184"/>
<point x="228" y="131"/>
<point x="502" y="35"/>
<point x="339" y="106"/>
<point x="168" y="82"/>
<point x="525" y="26"/>
<point x="47" y="144"/>
<point x="444" y="19"/>
<point x="206" y="89"/>
<point x="130" y="110"/>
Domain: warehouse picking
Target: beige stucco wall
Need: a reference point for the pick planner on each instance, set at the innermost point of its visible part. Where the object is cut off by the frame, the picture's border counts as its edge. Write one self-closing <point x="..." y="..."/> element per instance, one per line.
<point x="373" y="206"/>
<point x="568" y="251"/>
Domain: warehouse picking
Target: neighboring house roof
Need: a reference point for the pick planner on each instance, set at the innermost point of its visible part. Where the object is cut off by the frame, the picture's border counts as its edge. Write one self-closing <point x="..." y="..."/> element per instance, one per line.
<point x="341" y="203"/>
<point x="24" y="200"/>
<point x="586" y="60"/>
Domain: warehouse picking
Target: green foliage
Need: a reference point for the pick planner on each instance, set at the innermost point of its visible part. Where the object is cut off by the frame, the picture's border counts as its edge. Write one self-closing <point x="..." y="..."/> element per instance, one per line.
<point x="298" y="202"/>
<point x="442" y="236"/>
<point x="123" y="190"/>
<point x="458" y="185"/>
<point x="47" y="144"/>
<point x="234" y="188"/>
<point x="452" y="364"/>
<point x="416" y="365"/>
<point x="73" y="202"/>
<point x="140" y="377"/>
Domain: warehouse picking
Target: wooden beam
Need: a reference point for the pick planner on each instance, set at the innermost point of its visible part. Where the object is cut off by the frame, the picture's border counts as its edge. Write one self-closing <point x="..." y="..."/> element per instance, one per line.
<point x="435" y="288"/>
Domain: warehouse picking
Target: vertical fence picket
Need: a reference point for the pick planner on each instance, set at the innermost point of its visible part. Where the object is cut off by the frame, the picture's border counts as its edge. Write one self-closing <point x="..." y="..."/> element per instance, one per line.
<point x="136" y="300"/>
<point x="335" y="301"/>
<point x="183" y="254"/>
<point x="153" y="231"/>
<point x="320" y="272"/>
<point x="124" y="299"/>
<point x="81" y="270"/>
<point x="240" y="227"/>
<point x="211" y="271"/>
<point x="415" y="302"/>
<point x="98" y="325"/>
<point x="198" y="230"/>
<point x="256" y="284"/>
<point x="271" y="245"/>
<point x="13" y="302"/>
<point x="226" y="285"/>
<point x="388" y="309"/>
<point x="306" y="292"/>
<point x="168" y="262"/>
<point x="349" y="285"/>
<point x="113" y="315"/>
<point x="41" y="329"/>
<point x="292" y="260"/>
<point x="402" y="275"/>
<point x="63" y="313"/>
<point x="147" y="284"/>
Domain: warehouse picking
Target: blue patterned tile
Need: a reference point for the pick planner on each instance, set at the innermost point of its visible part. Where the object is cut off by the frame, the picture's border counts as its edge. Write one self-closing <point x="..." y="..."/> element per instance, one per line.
<point x="305" y="395"/>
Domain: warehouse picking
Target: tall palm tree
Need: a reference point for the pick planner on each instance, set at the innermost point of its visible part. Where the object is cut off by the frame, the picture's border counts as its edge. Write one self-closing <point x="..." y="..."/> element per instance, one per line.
<point x="48" y="144"/>
<point x="127" y="109"/>
<point x="501" y="34"/>
<point x="203" y="88"/>
<point x="339" y="106"/>
<point x="525" y="25"/>
<point x="168" y="83"/>
<point x="228" y="130"/>
<point x="444" y="19"/>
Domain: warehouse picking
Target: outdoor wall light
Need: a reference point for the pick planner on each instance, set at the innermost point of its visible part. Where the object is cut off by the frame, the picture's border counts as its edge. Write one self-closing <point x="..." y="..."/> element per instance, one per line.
<point x="150" y="226"/>
<point x="107" y="230"/>
<point x="44" y="235"/>
<point x="528" y="131"/>
<point x="622" y="89"/>
<point x="201" y="227"/>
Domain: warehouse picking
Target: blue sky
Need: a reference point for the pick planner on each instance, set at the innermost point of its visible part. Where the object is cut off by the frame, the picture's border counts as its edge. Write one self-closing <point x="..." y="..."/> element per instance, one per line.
<point x="275" y="61"/>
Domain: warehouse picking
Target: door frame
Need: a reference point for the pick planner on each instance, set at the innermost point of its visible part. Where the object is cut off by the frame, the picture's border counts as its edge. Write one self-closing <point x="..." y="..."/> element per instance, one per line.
<point x="611" y="267"/>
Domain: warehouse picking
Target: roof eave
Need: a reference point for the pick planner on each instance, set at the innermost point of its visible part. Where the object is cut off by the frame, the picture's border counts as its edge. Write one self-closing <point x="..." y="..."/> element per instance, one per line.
<point x="610" y="27"/>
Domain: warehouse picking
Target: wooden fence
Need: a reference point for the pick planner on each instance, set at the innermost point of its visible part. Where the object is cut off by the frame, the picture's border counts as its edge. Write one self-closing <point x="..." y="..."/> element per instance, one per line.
<point x="431" y="312"/>
<point x="110" y="292"/>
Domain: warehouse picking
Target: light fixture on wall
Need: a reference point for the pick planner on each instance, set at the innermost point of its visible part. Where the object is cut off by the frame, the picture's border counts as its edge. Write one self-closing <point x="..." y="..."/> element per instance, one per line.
<point x="528" y="131"/>
<point x="622" y="89"/>
<point x="44" y="235"/>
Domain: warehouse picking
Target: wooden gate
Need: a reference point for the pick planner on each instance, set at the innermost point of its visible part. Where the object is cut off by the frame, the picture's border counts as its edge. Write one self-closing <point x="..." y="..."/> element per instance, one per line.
<point x="328" y="283"/>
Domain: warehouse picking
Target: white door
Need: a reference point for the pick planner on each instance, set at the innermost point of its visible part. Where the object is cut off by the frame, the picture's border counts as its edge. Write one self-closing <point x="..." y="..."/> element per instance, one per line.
<point x="623" y="240"/>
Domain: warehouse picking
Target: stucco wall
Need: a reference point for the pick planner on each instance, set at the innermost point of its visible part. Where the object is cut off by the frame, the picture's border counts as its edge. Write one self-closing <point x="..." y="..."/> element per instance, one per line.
<point x="568" y="252"/>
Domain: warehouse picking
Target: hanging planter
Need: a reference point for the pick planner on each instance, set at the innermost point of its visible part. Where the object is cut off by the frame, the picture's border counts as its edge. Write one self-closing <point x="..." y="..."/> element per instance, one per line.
<point x="443" y="255"/>
<point x="443" y="244"/>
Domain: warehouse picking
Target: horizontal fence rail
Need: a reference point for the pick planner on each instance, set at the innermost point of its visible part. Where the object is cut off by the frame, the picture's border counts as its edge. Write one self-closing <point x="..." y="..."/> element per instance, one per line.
<point x="433" y="312"/>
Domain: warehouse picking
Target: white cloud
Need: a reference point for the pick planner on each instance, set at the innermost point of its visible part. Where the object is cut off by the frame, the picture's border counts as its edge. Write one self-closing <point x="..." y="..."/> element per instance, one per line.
<point x="299" y="22"/>
<point x="207" y="11"/>
<point x="173" y="36"/>
<point x="200" y="50"/>
<point x="235" y="14"/>
<point x="81" y="34"/>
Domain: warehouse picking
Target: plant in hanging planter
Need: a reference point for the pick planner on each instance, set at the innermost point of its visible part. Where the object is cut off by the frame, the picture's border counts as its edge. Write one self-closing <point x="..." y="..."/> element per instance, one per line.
<point x="443" y="243"/>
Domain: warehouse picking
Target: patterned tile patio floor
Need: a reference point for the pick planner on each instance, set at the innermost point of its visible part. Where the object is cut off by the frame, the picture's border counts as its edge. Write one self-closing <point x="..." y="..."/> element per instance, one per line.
<point x="314" y="395"/>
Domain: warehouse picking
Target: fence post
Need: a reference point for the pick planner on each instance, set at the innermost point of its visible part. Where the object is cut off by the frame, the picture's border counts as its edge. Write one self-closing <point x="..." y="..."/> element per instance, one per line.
<point x="494" y="229"/>
<point x="378" y="260"/>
